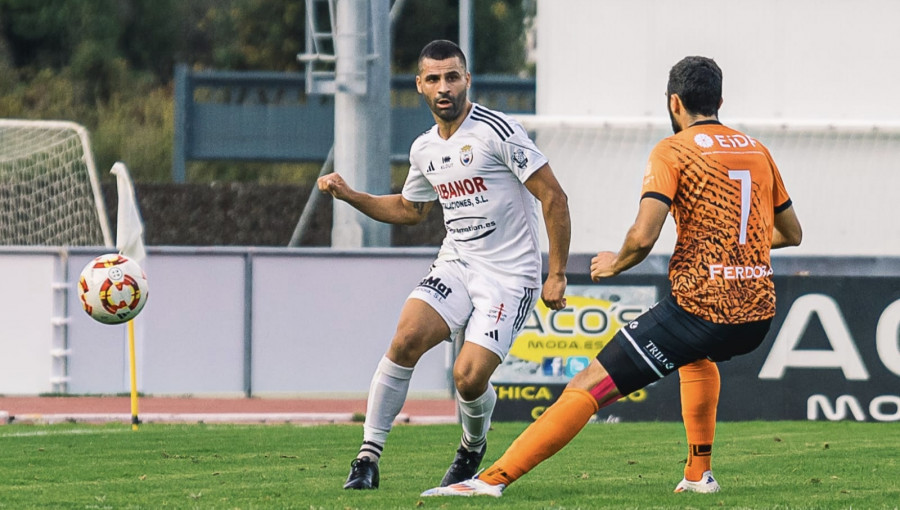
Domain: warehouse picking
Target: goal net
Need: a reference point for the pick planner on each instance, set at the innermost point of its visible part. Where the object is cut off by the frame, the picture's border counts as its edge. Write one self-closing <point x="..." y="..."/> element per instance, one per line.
<point x="842" y="177"/>
<point x="49" y="191"/>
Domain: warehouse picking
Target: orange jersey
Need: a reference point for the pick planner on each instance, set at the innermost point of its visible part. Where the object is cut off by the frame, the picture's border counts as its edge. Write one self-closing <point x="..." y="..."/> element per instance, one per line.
<point x="724" y="190"/>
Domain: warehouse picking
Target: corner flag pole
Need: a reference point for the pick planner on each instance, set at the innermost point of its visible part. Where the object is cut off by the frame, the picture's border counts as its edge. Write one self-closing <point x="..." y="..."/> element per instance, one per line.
<point x="133" y="370"/>
<point x="129" y="242"/>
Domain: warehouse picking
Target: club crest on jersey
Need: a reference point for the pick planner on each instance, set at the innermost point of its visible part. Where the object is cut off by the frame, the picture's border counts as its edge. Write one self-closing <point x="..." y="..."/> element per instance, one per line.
<point x="703" y="140"/>
<point x="519" y="158"/>
<point x="466" y="156"/>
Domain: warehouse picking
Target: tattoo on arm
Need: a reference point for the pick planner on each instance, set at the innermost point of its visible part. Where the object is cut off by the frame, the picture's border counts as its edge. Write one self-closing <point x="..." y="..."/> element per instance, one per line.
<point x="419" y="207"/>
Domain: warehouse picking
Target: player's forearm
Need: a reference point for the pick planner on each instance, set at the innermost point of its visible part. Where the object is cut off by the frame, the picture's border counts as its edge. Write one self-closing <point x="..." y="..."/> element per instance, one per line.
<point x="559" y="233"/>
<point x="633" y="251"/>
<point x="383" y="208"/>
<point x="782" y="241"/>
<point x="787" y="230"/>
<point x="779" y="241"/>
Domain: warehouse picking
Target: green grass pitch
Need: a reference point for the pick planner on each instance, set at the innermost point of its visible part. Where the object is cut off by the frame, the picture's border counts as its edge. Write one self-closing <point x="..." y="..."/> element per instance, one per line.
<point x="777" y="465"/>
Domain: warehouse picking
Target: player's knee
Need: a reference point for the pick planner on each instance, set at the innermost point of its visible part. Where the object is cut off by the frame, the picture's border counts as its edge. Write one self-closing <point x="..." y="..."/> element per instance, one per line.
<point x="406" y="349"/>
<point x="469" y="391"/>
<point x="597" y="381"/>
<point x="605" y="390"/>
<point x="469" y="384"/>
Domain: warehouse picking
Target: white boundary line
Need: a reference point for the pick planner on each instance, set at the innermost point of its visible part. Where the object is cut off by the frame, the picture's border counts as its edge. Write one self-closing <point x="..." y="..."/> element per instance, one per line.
<point x="262" y="418"/>
<point x="46" y="432"/>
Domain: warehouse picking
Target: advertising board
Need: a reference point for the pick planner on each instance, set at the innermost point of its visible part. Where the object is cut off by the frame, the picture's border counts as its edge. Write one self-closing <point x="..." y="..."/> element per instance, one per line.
<point x="833" y="353"/>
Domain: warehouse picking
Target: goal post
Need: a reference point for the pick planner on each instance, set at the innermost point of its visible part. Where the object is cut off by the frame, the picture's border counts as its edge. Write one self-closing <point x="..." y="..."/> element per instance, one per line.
<point x="842" y="176"/>
<point x="49" y="190"/>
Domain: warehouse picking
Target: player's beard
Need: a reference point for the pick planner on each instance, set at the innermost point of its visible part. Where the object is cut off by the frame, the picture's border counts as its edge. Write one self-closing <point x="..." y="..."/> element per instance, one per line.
<point x="455" y="110"/>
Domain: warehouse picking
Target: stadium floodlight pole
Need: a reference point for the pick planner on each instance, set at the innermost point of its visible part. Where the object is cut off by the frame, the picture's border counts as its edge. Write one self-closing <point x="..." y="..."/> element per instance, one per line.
<point x="362" y="116"/>
<point x="466" y="32"/>
<point x="467" y="39"/>
<point x="382" y="43"/>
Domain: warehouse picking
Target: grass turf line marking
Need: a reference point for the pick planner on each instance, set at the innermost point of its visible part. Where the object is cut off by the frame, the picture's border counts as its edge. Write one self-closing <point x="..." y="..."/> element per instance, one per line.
<point x="34" y="433"/>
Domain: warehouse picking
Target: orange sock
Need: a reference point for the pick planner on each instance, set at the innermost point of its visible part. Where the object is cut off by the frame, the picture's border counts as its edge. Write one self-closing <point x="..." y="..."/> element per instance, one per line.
<point x="699" y="399"/>
<point x="542" y="439"/>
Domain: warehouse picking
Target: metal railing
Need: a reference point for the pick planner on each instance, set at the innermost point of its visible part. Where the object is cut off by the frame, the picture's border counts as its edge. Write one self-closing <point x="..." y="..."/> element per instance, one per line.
<point x="268" y="116"/>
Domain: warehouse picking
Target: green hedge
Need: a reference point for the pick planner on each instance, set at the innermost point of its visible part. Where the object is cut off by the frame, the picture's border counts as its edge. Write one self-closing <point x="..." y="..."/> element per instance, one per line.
<point x="244" y="214"/>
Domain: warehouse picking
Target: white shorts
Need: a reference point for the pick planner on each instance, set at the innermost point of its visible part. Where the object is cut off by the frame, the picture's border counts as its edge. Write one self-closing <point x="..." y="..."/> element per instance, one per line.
<point x="492" y="313"/>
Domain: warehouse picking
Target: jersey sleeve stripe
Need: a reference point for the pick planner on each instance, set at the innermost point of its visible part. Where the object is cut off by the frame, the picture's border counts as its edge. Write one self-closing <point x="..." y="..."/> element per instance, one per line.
<point x="659" y="196"/>
<point x="488" y="113"/>
<point x="493" y="125"/>
<point x="783" y="206"/>
<point x="499" y="125"/>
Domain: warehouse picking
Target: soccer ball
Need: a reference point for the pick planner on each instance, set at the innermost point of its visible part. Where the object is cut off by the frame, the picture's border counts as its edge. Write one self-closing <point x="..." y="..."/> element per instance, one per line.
<point x="113" y="289"/>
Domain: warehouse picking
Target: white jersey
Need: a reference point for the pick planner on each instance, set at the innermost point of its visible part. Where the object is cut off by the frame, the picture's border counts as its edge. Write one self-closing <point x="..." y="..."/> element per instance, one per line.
<point x="478" y="174"/>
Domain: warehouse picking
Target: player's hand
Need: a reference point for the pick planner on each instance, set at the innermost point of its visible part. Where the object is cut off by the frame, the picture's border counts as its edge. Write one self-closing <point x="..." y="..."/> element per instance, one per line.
<point x="602" y="265"/>
<point x="335" y="185"/>
<point x="553" y="294"/>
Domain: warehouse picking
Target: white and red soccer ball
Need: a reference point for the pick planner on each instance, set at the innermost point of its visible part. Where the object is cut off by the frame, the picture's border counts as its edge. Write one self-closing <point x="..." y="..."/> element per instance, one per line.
<point x="113" y="289"/>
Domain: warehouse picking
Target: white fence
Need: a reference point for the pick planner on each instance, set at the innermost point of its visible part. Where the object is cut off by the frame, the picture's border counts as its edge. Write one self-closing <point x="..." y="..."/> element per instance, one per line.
<point x="219" y="321"/>
<point x="247" y="321"/>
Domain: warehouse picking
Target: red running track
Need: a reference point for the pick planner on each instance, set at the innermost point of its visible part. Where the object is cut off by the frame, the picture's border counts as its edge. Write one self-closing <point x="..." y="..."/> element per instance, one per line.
<point x="54" y="409"/>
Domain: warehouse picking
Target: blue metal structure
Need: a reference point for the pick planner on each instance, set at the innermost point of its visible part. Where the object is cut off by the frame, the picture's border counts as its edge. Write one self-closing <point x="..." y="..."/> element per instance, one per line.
<point x="267" y="116"/>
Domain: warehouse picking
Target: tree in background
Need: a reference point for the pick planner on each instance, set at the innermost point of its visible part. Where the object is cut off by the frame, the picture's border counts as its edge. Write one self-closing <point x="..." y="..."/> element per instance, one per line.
<point x="243" y="35"/>
<point x="499" y="26"/>
<point x="108" y="64"/>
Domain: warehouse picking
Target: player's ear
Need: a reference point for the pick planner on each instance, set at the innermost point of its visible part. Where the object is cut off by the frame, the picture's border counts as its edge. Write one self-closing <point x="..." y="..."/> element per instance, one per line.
<point x="419" y="83"/>
<point x="720" y="103"/>
<point x="675" y="105"/>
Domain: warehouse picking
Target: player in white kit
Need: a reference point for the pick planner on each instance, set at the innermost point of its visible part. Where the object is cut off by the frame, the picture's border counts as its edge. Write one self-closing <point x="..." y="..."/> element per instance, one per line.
<point x="491" y="181"/>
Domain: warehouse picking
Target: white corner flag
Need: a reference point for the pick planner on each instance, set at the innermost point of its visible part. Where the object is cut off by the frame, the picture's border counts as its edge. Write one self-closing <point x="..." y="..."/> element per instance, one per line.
<point x="129" y="227"/>
<point x="129" y="242"/>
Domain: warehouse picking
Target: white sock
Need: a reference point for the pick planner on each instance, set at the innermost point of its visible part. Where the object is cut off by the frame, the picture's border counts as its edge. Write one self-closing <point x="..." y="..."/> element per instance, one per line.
<point x="476" y="418"/>
<point x="387" y="393"/>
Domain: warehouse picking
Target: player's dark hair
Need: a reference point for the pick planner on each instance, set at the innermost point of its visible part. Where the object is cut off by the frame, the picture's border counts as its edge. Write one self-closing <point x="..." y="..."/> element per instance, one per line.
<point x="698" y="82"/>
<point x="441" y="50"/>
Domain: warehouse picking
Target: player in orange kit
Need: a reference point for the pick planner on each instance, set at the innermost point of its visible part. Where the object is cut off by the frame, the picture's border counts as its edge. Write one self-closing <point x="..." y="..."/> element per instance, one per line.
<point x="731" y="208"/>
